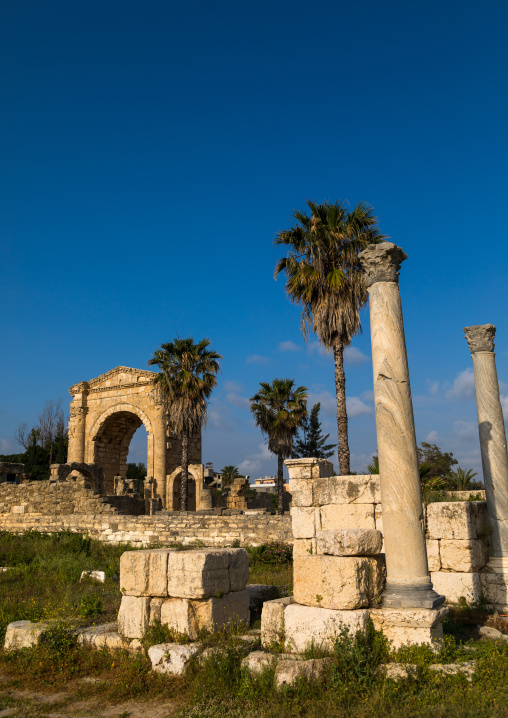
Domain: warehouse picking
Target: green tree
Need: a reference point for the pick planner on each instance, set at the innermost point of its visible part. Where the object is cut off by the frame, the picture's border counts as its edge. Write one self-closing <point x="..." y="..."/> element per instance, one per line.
<point x="229" y="474"/>
<point x="187" y="378"/>
<point x="440" y="463"/>
<point x="323" y="275"/>
<point x="310" y="442"/>
<point x="279" y="409"/>
<point x="136" y="472"/>
<point x="462" y="479"/>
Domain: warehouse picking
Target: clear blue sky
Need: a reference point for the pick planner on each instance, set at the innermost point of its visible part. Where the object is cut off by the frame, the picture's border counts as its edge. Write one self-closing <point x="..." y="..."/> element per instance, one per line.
<point x="151" y="150"/>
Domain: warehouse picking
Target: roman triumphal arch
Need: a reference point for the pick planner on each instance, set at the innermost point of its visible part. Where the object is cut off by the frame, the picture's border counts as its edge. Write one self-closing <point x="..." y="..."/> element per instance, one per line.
<point x="104" y="415"/>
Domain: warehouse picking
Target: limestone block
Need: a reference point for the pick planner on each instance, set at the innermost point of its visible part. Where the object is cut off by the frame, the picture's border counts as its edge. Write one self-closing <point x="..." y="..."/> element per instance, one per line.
<point x="238" y="569"/>
<point x="155" y="610"/>
<point x="309" y="468"/>
<point x="98" y="635"/>
<point x="494" y="587"/>
<point x="451" y="520"/>
<point x="258" y="661"/>
<point x="433" y="555"/>
<point x="398" y="671"/>
<point x="94" y="575"/>
<point x="272" y="620"/>
<point x="301" y="492"/>
<point x="345" y="516"/>
<point x="189" y="616"/>
<point x="350" y="542"/>
<point x="172" y="657"/>
<point x="409" y="625"/>
<point x="258" y="595"/>
<point x="304" y="547"/>
<point x="347" y="490"/>
<point x="134" y="616"/>
<point x="202" y="573"/>
<point x="338" y="582"/>
<point x="288" y="672"/>
<point x="467" y="669"/>
<point x="463" y="556"/>
<point x="306" y="626"/>
<point x="144" y="573"/>
<point x="303" y="522"/>
<point x="483" y="529"/>
<point x="24" y="634"/>
<point x="489" y="632"/>
<point x="455" y="585"/>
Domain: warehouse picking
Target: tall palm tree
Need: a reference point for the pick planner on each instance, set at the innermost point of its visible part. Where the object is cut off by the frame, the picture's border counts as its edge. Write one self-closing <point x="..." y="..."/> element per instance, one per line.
<point x="187" y="378"/>
<point x="279" y="409"/>
<point x="229" y="474"/>
<point x="323" y="274"/>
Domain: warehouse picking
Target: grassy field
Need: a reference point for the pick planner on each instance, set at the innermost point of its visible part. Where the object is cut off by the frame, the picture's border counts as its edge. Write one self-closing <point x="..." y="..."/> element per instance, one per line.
<point x="60" y="678"/>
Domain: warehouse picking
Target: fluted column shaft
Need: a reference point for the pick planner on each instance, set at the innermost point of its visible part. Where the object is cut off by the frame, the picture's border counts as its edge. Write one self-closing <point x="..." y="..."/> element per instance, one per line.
<point x="408" y="580"/>
<point x="492" y="434"/>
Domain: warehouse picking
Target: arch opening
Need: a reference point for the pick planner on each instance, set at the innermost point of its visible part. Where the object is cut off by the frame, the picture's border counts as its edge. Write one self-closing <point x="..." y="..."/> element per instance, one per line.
<point x="111" y="446"/>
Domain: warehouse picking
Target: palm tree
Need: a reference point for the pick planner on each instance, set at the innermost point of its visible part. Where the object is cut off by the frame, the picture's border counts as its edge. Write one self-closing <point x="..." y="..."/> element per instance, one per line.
<point x="229" y="474"/>
<point x="279" y="409"/>
<point x="323" y="274"/>
<point x="187" y="378"/>
<point x="462" y="479"/>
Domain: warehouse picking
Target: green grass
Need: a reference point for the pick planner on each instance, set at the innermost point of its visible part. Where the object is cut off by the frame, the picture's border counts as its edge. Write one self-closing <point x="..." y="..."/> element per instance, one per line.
<point x="44" y="583"/>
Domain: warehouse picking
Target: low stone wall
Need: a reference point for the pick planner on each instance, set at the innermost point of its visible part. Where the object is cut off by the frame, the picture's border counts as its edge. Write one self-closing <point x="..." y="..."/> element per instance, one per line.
<point x="53" y="497"/>
<point x="146" y="530"/>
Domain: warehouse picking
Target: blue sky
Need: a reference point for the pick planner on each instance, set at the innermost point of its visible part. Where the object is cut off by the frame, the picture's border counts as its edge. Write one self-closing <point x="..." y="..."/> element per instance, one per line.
<point x="152" y="150"/>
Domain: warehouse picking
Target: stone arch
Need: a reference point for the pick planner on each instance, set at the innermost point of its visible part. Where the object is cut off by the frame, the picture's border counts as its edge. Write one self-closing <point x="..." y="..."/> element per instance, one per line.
<point x="173" y="489"/>
<point x="129" y="408"/>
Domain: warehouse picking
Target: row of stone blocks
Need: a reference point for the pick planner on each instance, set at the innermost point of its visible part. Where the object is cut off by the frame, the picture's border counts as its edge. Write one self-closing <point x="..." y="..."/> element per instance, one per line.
<point x="188" y="591"/>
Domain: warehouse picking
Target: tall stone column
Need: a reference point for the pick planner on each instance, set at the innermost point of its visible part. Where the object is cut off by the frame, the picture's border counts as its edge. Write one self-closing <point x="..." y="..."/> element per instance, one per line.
<point x="492" y="439"/>
<point x="159" y="456"/>
<point x="77" y="423"/>
<point x="408" y="581"/>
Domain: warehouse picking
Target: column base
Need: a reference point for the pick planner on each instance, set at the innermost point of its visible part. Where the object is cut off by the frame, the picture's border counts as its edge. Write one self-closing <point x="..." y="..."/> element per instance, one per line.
<point x="411" y="596"/>
<point x="410" y="626"/>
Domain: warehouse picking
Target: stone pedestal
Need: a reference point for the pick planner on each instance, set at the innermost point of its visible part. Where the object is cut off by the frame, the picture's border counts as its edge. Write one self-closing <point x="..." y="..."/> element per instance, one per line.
<point x="408" y="580"/>
<point x="409" y="625"/>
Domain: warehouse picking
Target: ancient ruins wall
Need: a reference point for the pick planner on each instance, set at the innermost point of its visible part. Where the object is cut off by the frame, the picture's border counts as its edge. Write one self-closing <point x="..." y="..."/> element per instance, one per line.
<point x="55" y="498"/>
<point x="217" y="531"/>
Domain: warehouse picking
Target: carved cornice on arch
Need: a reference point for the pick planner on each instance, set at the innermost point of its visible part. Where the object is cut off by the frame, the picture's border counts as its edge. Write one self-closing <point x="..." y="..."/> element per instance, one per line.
<point x="116" y="409"/>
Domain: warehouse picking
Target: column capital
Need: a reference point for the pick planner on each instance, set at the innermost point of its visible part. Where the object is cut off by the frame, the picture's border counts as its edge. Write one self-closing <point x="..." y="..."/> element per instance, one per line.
<point x="381" y="262"/>
<point x="480" y="337"/>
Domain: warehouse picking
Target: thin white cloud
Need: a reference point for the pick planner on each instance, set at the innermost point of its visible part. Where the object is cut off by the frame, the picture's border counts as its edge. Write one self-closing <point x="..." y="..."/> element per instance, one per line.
<point x="463" y="386"/>
<point x="316" y="348"/>
<point x="356" y="407"/>
<point x="432" y="437"/>
<point x="367" y="395"/>
<point x="465" y="430"/>
<point x="257" y="359"/>
<point x="237" y="400"/>
<point x="218" y="420"/>
<point x="6" y="446"/>
<point x="355" y="357"/>
<point x="504" y="405"/>
<point x="433" y="387"/>
<point x="254" y="462"/>
<point x="233" y="386"/>
<point x="289" y="346"/>
<point x="326" y="399"/>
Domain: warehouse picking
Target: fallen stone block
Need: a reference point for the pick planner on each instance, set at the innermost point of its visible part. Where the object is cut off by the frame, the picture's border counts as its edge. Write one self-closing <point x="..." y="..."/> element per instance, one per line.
<point x="188" y="616"/>
<point x="398" y="671"/>
<point x="97" y="635"/>
<point x="204" y="573"/>
<point x="24" y="634"/>
<point x="145" y="573"/>
<point x="350" y="542"/>
<point x="493" y="633"/>
<point x="272" y="620"/>
<point x="172" y="657"/>
<point x="467" y="669"/>
<point x="288" y="672"/>
<point x="409" y="626"/>
<point x="258" y="595"/>
<point x="456" y="585"/>
<point x="306" y="626"/>
<point x="94" y="575"/>
<point x="258" y="661"/>
<point x="134" y="616"/>
<point x="337" y="582"/>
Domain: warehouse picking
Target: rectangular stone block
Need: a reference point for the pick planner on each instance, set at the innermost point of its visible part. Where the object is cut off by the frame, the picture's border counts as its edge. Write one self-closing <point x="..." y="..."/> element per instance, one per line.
<point x="304" y="547"/>
<point x="451" y="520"/>
<point x="495" y="590"/>
<point x="457" y="585"/>
<point x="301" y="492"/>
<point x="347" y="516"/>
<point x="144" y="573"/>
<point x="337" y="582"/>
<point x="483" y="528"/>
<point x="204" y="573"/>
<point x="347" y="490"/>
<point x="463" y="556"/>
<point x="433" y="555"/>
<point x="272" y="620"/>
<point x="190" y="616"/>
<point x="306" y="626"/>
<point x="134" y="616"/>
<point x="303" y="522"/>
<point x="309" y="468"/>
<point x="409" y="626"/>
<point x="349" y="542"/>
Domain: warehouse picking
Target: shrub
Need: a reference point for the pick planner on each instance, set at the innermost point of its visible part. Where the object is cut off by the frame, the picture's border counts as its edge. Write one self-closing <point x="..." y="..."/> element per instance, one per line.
<point x="274" y="553"/>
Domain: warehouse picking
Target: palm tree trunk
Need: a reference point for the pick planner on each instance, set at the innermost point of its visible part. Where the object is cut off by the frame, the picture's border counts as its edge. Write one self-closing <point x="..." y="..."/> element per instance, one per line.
<point x="280" y="484"/>
<point x="340" y="389"/>
<point x="184" y="485"/>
